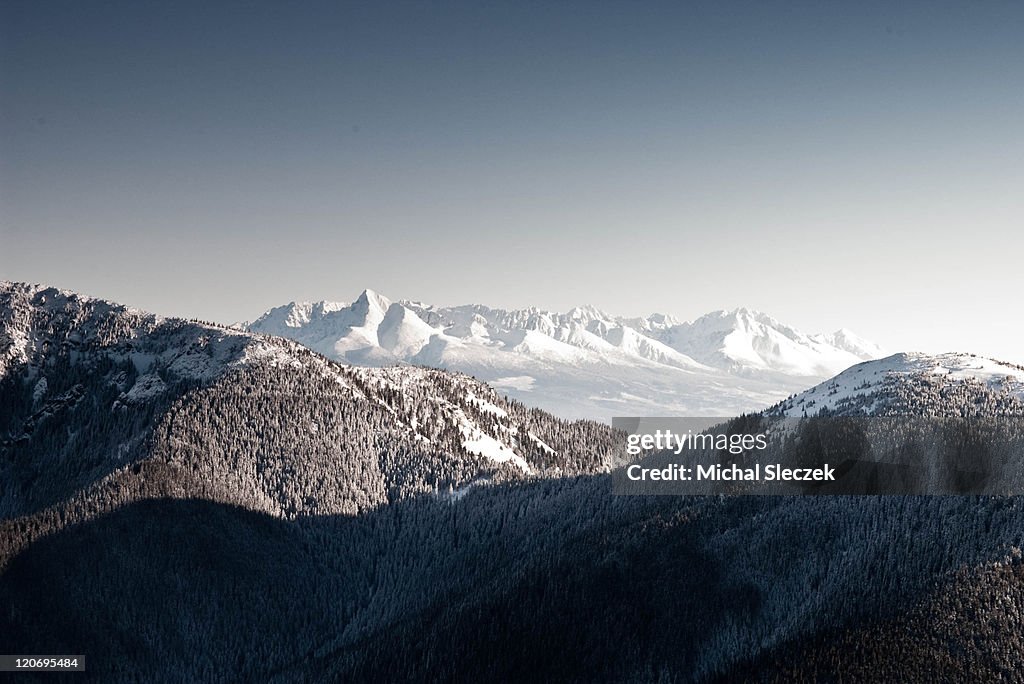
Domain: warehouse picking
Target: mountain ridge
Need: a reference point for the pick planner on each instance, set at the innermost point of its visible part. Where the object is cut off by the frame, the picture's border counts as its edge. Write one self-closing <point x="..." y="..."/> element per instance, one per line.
<point x="952" y="384"/>
<point x="238" y="506"/>
<point x="583" y="363"/>
<point x="91" y="390"/>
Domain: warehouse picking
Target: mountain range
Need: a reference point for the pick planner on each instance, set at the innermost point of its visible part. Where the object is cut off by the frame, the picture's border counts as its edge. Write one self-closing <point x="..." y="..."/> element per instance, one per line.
<point x="145" y="385"/>
<point x="186" y="501"/>
<point x="584" y="363"/>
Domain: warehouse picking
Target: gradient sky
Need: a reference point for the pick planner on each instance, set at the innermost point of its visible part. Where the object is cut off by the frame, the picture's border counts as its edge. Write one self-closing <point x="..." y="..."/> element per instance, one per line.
<point x="833" y="164"/>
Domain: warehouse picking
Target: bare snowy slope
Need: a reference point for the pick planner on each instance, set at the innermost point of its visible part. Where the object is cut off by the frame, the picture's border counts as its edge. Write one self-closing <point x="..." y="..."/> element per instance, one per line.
<point x="584" y="362"/>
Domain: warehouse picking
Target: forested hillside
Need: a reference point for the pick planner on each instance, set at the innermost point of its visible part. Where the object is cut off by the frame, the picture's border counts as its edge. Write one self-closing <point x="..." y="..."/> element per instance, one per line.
<point x="181" y="501"/>
<point x="104" y="406"/>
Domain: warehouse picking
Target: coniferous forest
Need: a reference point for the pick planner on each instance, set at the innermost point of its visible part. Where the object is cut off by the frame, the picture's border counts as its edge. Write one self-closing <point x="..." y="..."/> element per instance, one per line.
<point x="181" y="501"/>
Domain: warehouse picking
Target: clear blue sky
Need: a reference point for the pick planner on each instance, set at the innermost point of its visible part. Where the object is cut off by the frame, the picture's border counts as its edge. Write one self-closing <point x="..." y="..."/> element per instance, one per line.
<point x="835" y="164"/>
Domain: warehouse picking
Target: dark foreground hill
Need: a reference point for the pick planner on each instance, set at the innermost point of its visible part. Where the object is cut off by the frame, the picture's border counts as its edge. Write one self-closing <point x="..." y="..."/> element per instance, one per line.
<point x="550" y="580"/>
<point x="184" y="502"/>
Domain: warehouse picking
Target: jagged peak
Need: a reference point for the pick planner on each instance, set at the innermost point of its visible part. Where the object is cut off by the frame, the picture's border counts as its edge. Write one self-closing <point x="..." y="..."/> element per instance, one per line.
<point x="588" y="312"/>
<point x="370" y="299"/>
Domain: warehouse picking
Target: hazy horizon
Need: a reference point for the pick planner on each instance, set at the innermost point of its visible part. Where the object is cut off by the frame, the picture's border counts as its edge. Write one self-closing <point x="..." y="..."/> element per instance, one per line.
<point x="184" y="313"/>
<point x="833" y="166"/>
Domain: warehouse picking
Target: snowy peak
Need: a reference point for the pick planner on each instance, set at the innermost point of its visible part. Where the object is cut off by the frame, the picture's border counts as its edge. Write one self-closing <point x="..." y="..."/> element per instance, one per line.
<point x="402" y="332"/>
<point x="952" y="384"/>
<point x="742" y="340"/>
<point x="38" y="325"/>
<point x="661" y="321"/>
<point x="297" y="314"/>
<point x="34" y="318"/>
<point x="633" y="343"/>
<point x="348" y="332"/>
<point x="586" y="315"/>
<point x="437" y="426"/>
<point x="584" y="362"/>
<point x="846" y="340"/>
<point x="371" y="305"/>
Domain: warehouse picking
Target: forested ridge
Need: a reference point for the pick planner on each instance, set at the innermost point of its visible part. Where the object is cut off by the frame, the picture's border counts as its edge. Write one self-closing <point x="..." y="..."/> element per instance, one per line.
<point x="185" y="502"/>
<point x="103" y="406"/>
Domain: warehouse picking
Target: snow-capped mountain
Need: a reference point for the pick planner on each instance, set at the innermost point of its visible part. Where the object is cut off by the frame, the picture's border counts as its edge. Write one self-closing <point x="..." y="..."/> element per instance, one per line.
<point x="745" y="340"/>
<point x="584" y="362"/>
<point x="325" y="515"/>
<point x="93" y="393"/>
<point x="946" y="385"/>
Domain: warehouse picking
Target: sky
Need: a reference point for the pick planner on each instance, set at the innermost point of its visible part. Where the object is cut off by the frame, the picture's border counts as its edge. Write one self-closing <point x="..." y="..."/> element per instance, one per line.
<point x="854" y="165"/>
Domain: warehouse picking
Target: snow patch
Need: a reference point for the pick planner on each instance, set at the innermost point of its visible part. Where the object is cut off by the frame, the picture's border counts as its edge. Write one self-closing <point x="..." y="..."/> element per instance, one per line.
<point x="539" y="442"/>
<point x="39" y="391"/>
<point x="487" y="446"/>
<point x="146" y="387"/>
<point x="486" y="406"/>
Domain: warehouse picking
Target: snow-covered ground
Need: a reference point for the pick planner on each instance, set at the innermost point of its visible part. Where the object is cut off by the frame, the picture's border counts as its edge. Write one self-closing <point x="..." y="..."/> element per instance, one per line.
<point x="863" y="387"/>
